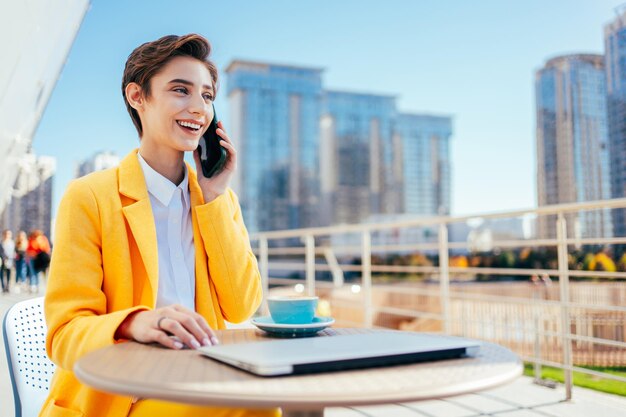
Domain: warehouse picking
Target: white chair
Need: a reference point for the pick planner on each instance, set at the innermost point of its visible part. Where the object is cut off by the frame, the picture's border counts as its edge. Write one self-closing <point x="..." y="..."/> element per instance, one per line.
<point x="24" y="332"/>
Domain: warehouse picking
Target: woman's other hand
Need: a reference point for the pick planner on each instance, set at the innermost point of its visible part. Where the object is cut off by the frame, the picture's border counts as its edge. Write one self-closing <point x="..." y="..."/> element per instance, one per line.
<point x="160" y="325"/>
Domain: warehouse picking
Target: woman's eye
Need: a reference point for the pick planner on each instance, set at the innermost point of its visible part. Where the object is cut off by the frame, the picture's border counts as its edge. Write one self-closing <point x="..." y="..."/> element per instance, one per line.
<point x="208" y="97"/>
<point x="181" y="90"/>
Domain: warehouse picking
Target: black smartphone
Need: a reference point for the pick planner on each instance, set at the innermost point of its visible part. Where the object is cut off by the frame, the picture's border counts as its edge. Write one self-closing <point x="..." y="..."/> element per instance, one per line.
<point x="212" y="154"/>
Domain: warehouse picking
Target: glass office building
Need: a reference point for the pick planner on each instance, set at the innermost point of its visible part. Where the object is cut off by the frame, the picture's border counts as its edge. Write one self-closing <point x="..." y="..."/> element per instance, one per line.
<point x="357" y="150"/>
<point x="274" y="114"/>
<point x="615" y="62"/>
<point x="425" y="163"/>
<point x="315" y="157"/>
<point x="572" y="141"/>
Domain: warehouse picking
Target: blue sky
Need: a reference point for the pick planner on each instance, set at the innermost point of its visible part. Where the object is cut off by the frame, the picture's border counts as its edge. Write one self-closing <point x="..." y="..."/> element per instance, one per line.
<point x="472" y="60"/>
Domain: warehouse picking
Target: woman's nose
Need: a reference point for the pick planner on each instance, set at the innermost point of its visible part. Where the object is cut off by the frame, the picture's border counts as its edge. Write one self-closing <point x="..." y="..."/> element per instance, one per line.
<point x="198" y="105"/>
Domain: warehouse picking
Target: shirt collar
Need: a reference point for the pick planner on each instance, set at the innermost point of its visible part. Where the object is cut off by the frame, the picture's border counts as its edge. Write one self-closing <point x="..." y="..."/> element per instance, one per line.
<point x="160" y="187"/>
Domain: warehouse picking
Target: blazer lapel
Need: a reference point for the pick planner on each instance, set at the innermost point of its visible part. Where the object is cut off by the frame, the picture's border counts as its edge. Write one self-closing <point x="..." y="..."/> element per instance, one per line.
<point x="138" y="214"/>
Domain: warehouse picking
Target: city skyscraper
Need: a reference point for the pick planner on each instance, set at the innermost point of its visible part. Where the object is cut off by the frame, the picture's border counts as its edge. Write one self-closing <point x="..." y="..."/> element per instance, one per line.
<point x="30" y="205"/>
<point x="358" y="174"/>
<point x="572" y="141"/>
<point x="425" y="163"/>
<point x="274" y="114"/>
<point x="615" y="61"/>
<point x="315" y="157"/>
<point x="97" y="162"/>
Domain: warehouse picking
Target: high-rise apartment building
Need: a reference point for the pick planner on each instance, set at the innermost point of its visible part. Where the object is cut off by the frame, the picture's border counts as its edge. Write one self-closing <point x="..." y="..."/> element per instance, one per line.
<point x="615" y="62"/>
<point x="30" y="205"/>
<point x="97" y="162"/>
<point x="572" y="141"/>
<point x="358" y="174"/>
<point x="274" y="114"/>
<point x="425" y="163"/>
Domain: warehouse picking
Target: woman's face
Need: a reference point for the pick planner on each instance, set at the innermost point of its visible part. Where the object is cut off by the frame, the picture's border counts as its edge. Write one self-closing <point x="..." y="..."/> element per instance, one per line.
<point x="179" y="108"/>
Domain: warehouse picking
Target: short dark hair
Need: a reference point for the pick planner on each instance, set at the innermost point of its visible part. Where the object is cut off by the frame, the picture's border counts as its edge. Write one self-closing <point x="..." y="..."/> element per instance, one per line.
<point x="148" y="59"/>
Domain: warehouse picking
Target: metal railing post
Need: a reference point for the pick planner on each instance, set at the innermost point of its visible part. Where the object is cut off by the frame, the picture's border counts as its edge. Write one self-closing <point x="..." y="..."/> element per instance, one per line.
<point x="309" y="242"/>
<point x="566" y="341"/>
<point x="335" y="269"/>
<point x="537" y="343"/>
<point x="264" y="269"/>
<point x="444" y="276"/>
<point x="366" y="277"/>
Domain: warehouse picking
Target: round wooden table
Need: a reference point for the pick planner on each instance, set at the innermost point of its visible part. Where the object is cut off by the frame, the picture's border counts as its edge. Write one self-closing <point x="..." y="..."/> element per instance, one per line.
<point x="186" y="376"/>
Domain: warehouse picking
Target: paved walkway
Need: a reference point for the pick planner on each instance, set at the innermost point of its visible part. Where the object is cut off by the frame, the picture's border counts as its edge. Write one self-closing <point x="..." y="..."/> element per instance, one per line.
<point x="521" y="398"/>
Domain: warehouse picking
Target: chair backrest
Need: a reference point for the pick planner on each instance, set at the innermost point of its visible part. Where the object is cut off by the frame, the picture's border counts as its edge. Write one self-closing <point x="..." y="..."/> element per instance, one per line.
<point x="24" y="331"/>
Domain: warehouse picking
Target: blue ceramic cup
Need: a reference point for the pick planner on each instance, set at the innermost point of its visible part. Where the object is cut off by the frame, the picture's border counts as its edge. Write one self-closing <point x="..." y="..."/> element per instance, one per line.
<point x="292" y="310"/>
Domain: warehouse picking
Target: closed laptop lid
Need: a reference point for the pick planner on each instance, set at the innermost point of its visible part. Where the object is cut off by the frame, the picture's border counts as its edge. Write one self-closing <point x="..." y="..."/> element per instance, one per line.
<point x="317" y="354"/>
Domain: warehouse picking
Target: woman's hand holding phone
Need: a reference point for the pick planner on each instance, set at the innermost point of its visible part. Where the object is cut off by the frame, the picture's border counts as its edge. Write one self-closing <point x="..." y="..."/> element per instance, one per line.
<point x="217" y="184"/>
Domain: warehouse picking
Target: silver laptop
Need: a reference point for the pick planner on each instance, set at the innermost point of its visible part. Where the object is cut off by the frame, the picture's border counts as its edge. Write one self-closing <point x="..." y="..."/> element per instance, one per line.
<point x="332" y="353"/>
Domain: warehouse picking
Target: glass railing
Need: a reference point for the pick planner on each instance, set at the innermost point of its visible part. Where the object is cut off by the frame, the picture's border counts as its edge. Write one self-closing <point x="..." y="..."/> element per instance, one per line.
<point x="549" y="283"/>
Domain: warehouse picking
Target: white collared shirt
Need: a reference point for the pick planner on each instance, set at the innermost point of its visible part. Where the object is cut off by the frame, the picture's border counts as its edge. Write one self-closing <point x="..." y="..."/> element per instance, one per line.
<point x="172" y="216"/>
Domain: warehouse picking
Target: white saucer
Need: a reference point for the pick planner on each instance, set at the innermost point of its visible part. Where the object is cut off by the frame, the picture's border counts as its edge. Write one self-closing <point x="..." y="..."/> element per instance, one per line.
<point x="292" y="330"/>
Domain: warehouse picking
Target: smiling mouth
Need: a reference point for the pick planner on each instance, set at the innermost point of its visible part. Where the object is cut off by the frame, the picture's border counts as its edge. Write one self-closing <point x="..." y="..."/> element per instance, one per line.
<point x="192" y="127"/>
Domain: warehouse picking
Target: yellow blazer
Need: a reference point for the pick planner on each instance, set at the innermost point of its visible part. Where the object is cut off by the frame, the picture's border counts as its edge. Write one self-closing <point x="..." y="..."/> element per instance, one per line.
<point x="105" y="266"/>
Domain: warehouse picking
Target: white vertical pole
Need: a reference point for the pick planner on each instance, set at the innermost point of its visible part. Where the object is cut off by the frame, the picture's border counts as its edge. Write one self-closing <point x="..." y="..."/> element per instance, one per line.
<point x="444" y="277"/>
<point x="566" y="341"/>
<point x="309" y="242"/>
<point x="335" y="269"/>
<point x="537" y="344"/>
<point x="366" y="279"/>
<point x="264" y="269"/>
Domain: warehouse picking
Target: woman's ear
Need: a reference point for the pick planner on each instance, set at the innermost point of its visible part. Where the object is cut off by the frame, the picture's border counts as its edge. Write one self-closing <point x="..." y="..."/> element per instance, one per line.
<point x="134" y="95"/>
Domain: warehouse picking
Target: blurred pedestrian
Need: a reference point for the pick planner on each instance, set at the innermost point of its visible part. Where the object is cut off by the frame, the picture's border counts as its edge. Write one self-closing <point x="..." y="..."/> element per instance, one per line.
<point x="547" y="281"/>
<point x="534" y="279"/>
<point x="37" y="257"/>
<point x="21" y="245"/>
<point x="7" y="252"/>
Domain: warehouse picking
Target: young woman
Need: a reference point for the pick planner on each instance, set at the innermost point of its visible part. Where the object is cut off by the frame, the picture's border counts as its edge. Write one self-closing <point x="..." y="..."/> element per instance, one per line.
<point x="150" y="250"/>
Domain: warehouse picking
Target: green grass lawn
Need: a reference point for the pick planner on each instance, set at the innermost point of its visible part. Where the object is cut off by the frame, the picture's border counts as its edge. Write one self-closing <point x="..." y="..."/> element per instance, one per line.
<point x="585" y="380"/>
